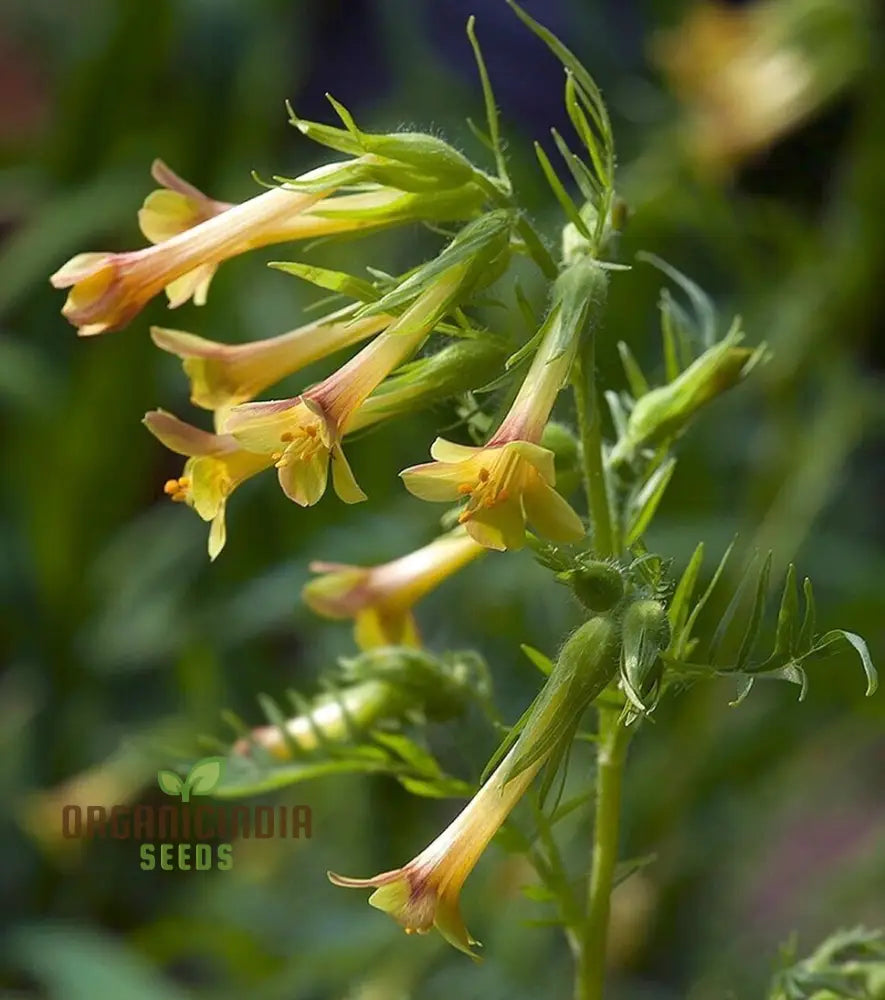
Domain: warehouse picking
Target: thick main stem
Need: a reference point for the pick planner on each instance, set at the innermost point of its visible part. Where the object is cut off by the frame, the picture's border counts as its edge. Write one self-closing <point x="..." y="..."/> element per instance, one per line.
<point x="613" y="740"/>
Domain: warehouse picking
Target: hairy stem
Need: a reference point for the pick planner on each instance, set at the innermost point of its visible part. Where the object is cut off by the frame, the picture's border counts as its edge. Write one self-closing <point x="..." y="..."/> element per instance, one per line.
<point x="613" y="740"/>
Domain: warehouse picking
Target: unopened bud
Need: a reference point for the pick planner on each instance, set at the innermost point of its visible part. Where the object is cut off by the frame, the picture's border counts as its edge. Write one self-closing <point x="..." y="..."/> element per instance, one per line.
<point x="666" y="411"/>
<point x="646" y="632"/>
<point x="599" y="586"/>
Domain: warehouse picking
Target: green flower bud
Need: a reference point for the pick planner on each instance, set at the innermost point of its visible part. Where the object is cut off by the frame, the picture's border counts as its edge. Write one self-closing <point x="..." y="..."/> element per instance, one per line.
<point x="460" y="366"/>
<point x="646" y="632"/>
<point x="599" y="586"/>
<point x="666" y="411"/>
<point x="587" y="663"/>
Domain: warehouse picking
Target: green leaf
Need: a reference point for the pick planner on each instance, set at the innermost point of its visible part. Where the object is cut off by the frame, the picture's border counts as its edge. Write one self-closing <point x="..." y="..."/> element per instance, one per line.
<point x="542" y="662"/>
<point x="705" y="313"/>
<point x="787" y="616"/>
<point x="561" y="195"/>
<point x="491" y="107"/>
<point x="681" y="600"/>
<point x="809" y="622"/>
<point x="755" y="622"/>
<point x="647" y="500"/>
<point x="205" y="775"/>
<point x="699" y="607"/>
<point x="335" y="281"/>
<point x="836" y="634"/>
<point x="170" y="782"/>
<point x="635" y="379"/>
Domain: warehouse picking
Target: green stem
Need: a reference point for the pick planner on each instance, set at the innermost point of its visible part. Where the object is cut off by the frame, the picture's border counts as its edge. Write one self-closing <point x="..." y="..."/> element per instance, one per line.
<point x="614" y="738"/>
<point x="590" y="430"/>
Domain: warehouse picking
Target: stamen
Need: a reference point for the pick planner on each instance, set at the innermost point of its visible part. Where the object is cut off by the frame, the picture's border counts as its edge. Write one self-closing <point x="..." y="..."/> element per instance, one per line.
<point x="287" y="436"/>
<point x="276" y="456"/>
<point x="184" y="482"/>
<point x="483" y="475"/>
<point x="170" y="487"/>
<point x="465" y="488"/>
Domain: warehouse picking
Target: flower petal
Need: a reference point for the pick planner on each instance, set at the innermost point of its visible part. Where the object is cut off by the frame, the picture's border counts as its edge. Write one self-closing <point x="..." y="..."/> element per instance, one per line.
<point x="304" y="480"/>
<point x="449" y="451"/>
<point x="433" y="481"/>
<point x="192" y="285"/>
<point x="550" y="515"/>
<point x="259" y="426"/>
<point x="375" y="627"/>
<point x="540" y="458"/>
<point x="217" y="533"/>
<point x="343" y="480"/>
<point x="499" y="527"/>
<point x="183" y="438"/>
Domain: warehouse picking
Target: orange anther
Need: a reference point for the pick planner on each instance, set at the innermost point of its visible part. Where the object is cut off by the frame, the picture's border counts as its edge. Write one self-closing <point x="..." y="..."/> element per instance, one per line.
<point x="311" y="430"/>
<point x="465" y="488"/>
<point x="184" y="482"/>
<point x="276" y="456"/>
<point x="287" y="436"/>
<point x="170" y="487"/>
<point x="483" y="475"/>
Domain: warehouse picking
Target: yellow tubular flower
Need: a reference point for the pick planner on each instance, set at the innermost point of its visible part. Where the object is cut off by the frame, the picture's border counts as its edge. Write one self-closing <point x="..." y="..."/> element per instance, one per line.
<point x="510" y="480"/>
<point x="216" y="465"/>
<point x="425" y="892"/>
<point x="223" y="375"/>
<point x="302" y="435"/>
<point x="380" y="598"/>
<point x="109" y="289"/>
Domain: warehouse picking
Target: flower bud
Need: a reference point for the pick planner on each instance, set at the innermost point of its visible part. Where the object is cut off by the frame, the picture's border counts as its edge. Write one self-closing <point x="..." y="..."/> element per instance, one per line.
<point x="646" y="632"/>
<point x="666" y="411"/>
<point x="586" y="664"/>
<point x="597" y="585"/>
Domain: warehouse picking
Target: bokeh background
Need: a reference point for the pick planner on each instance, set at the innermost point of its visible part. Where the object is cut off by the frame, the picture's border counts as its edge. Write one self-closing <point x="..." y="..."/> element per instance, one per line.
<point x="765" y="819"/>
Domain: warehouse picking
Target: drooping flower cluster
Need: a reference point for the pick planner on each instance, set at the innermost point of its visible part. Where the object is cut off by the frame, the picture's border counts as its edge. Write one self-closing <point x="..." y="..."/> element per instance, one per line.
<point x="500" y="486"/>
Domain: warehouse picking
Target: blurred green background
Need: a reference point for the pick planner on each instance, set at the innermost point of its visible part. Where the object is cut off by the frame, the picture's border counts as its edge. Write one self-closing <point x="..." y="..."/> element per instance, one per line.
<point x="765" y="819"/>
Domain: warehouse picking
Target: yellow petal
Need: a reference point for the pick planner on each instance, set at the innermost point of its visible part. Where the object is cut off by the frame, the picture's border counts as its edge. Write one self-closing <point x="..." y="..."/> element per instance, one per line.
<point x="217" y="533"/>
<point x="165" y="214"/>
<point x="433" y="481"/>
<point x="550" y="515"/>
<point x="194" y="284"/>
<point x="448" y="451"/>
<point x="181" y="437"/>
<point x="540" y="458"/>
<point x="375" y="627"/>
<point x="499" y="527"/>
<point x="342" y="478"/>
<point x="304" y="481"/>
<point x="259" y="426"/>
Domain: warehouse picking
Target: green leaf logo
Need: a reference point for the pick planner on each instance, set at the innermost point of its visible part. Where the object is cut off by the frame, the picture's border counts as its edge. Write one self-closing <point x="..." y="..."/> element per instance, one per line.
<point x="202" y="778"/>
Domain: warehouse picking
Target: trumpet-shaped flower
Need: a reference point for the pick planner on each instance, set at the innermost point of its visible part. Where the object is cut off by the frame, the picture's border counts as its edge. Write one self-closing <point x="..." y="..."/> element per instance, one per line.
<point x="380" y="598"/>
<point x="510" y="480"/>
<point x="216" y="465"/>
<point x="425" y="893"/>
<point x="302" y="435"/>
<point x="223" y="375"/>
<point x="109" y="289"/>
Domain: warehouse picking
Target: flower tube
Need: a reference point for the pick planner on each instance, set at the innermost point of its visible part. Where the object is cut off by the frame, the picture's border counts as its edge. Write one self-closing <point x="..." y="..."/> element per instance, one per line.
<point x="303" y="434"/>
<point x="223" y="375"/>
<point x="109" y="289"/>
<point x="425" y="893"/>
<point x="380" y="598"/>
